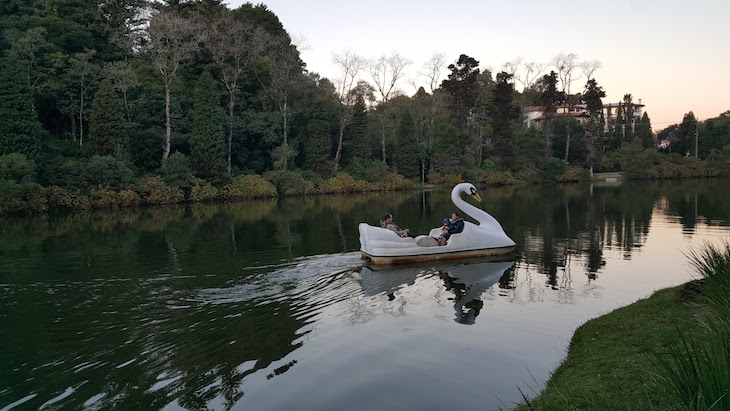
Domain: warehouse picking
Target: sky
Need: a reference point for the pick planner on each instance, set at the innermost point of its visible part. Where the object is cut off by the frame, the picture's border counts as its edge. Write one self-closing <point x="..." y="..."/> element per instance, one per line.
<point x="673" y="55"/>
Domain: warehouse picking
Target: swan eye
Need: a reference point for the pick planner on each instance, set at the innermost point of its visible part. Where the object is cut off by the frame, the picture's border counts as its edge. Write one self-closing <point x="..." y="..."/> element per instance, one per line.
<point x="473" y="190"/>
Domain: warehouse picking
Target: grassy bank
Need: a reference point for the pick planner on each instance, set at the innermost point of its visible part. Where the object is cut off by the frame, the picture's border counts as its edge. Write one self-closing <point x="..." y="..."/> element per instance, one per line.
<point x="667" y="352"/>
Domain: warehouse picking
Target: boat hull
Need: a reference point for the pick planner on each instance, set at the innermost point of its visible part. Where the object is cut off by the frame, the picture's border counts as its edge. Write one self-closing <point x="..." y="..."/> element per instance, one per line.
<point x="449" y="255"/>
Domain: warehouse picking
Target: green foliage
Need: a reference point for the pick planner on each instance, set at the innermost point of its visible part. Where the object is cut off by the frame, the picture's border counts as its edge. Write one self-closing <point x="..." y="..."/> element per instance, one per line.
<point x="16" y="167"/>
<point x="18" y="196"/>
<point x="108" y="170"/>
<point x="317" y="147"/>
<point x="106" y="197"/>
<point x="448" y="180"/>
<point x="19" y="129"/>
<point x="289" y="183"/>
<point x="405" y="158"/>
<point x="176" y="171"/>
<point x="502" y="114"/>
<point x="495" y="178"/>
<point x="107" y="133"/>
<point x="343" y="183"/>
<point x="447" y="151"/>
<point x="203" y="191"/>
<point x="207" y="141"/>
<point x="375" y="171"/>
<point x="155" y="191"/>
<point x="572" y="175"/>
<point x="249" y="186"/>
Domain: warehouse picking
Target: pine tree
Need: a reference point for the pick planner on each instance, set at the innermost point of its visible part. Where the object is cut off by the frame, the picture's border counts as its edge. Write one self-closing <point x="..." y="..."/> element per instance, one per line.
<point x="502" y="114"/>
<point x="107" y="132"/>
<point x="644" y="133"/>
<point x="406" y="152"/>
<point x="358" y="131"/>
<point x="592" y="98"/>
<point x="207" y="142"/>
<point x="318" y="146"/>
<point x="19" y="126"/>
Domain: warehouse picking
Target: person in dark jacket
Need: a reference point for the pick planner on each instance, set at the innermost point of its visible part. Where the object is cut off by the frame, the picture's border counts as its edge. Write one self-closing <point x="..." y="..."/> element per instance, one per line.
<point x="453" y="226"/>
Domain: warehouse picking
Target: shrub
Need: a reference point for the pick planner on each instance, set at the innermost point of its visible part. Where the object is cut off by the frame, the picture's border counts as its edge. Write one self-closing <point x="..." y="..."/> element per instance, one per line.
<point x="529" y="175"/>
<point x="176" y="171"/>
<point x="496" y="178"/>
<point x="24" y="196"/>
<point x="343" y="183"/>
<point x="448" y="180"/>
<point x="109" y="171"/>
<point x="203" y="191"/>
<point x="375" y="171"/>
<point x="156" y="192"/>
<point x="59" y="197"/>
<point x="489" y="165"/>
<point x="16" y="167"/>
<point x="394" y="182"/>
<point x="573" y="174"/>
<point x="249" y="186"/>
<point x="287" y="183"/>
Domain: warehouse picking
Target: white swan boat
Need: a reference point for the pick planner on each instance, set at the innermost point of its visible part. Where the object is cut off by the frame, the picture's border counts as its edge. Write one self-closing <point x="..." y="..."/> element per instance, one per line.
<point x="383" y="246"/>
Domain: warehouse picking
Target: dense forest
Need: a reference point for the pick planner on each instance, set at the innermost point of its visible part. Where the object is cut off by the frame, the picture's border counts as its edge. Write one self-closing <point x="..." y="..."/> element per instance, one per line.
<point x="113" y="103"/>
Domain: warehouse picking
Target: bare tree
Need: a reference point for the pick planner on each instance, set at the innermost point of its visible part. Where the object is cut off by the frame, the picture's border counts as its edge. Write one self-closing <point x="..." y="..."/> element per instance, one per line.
<point x="123" y="78"/>
<point x="529" y="73"/>
<point x="385" y="72"/>
<point x="565" y="64"/>
<point x="350" y="65"/>
<point x="172" y="40"/>
<point x="233" y="44"/>
<point x="86" y="72"/>
<point x="589" y="67"/>
<point x="432" y="70"/>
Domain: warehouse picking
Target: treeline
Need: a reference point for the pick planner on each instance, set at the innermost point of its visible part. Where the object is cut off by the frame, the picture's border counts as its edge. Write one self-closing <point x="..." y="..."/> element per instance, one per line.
<point x="99" y="96"/>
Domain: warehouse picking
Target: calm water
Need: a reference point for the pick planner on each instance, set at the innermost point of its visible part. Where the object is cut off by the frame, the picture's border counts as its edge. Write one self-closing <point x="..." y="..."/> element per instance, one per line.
<point x="267" y="306"/>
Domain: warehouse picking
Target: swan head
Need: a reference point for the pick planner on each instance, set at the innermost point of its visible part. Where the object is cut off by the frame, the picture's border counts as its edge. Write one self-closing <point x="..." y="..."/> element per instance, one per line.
<point x="469" y="189"/>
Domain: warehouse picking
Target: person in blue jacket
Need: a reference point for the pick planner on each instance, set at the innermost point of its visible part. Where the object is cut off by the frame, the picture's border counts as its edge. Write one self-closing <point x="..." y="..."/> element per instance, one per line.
<point x="453" y="226"/>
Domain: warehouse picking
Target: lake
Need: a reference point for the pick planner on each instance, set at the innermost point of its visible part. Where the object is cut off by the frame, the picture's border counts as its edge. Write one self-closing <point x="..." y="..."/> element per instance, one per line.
<point x="266" y="305"/>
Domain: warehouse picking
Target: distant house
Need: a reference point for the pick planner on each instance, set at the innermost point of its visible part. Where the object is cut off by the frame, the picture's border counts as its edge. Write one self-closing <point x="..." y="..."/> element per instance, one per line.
<point x="534" y="115"/>
<point x="610" y="113"/>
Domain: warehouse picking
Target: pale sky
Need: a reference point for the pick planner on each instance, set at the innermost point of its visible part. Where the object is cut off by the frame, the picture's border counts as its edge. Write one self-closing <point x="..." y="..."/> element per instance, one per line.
<point x="673" y="55"/>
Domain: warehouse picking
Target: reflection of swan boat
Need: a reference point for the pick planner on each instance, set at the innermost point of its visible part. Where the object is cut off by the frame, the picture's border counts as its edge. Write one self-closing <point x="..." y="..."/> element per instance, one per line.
<point x="382" y="246"/>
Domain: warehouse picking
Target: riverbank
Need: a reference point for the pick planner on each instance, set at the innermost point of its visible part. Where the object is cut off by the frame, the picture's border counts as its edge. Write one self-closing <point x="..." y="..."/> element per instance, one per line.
<point x="666" y="352"/>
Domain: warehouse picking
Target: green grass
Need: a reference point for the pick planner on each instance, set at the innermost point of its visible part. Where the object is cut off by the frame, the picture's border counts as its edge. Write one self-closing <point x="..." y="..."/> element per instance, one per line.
<point x="670" y="351"/>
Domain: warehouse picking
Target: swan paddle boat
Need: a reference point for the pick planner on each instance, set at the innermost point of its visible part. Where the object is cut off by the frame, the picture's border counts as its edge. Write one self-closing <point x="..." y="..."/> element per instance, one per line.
<point x="383" y="246"/>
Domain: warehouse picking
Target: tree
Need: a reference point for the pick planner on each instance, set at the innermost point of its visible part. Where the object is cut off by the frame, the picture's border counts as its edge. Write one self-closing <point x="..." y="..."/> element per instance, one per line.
<point x="592" y="96"/>
<point x="123" y="78"/>
<point x="461" y="86"/>
<point x="386" y="71"/>
<point x="233" y="44"/>
<point x="350" y="65"/>
<point x="107" y="131"/>
<point x="446" y="157"/>
<point x="172" y="41"/>
<point x="550" y="98"/>
<point x="644" y="133"/>
<point x="406" y="156"/>
<point x="357" y="133"/>
<point x="207" y="141"/>
<point x="566" y="65"/>
<point x="19" y="127"/>
<point x="85" y="73"/>
<point x="629" y="119"/>
<point x="502" y="114"/>
<point x="686" y="135"/>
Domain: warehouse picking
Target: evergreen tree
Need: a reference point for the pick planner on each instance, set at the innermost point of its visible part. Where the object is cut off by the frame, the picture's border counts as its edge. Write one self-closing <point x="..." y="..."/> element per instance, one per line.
<point x="592" y="96"/>
<point x="357" y="133"/>
<point x="19" y="126"/>
<point x="502" y="114"/>
<point x="447" y="154"/>
<point x="550" y="98"/>
<point x="461" y="86"/>
<point x="644" y="133"/>
<point x="406" y="154"/>
<point x="207" y="142"/>
<point x="107" y="131"/>
<point x="686" y="135"/>
<point x="317" y="147"/>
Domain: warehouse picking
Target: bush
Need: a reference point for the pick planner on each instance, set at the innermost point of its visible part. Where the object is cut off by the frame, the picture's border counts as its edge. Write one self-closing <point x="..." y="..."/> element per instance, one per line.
<point x="108" y="171"/>
<point x="25" y="196"/>
<point x="156" y="192"/>
<point x="394" y="182"/>
<point x="248" y="186"/>
<point x="496" y="178"/>
<point x="176" y="171"/>
<point x="59" y="197"/>
<point x="203" y="191"/>
<point x="343" y="183"/>
<point x="375" y="171"/>
<point x="448" y="180"/>
<point x="573" y="174"/>
<point x="287" y="183"/>
<point x="16" y="167"/>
